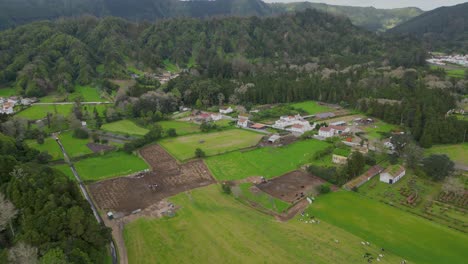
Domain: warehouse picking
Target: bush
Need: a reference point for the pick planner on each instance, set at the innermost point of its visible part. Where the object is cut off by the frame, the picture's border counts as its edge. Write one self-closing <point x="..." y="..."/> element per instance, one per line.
<point x="104" y="141"/>
<point x="226" y="188"/>
<point x="324" y="188"/>
<point x="171" y="132"/>
<point x="40" y="140"/>
<point x="80" y="133"/>
<point x="199" y="153"/>
<point x="43" y="157"/>
<point x="370" y="160"/>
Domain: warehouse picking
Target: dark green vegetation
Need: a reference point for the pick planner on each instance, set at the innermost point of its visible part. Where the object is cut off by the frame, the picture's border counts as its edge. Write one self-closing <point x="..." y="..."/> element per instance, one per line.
<point x="54" y="56"/>
<point x="51" y="214"/>
<point x="442" y="29"/>
<point x="20" y="12"/>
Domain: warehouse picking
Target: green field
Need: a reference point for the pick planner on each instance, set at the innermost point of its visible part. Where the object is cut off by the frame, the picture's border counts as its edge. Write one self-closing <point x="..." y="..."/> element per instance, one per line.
<point x="36" y="112"/>
<point x="267" y="161"/>
<point x="457" y="152"/>
<point x="417" y="239"/>
<point x="212" y="227"/>
<point x="50" y="145"/>
<point x="134" y="70"/>
<point x="88" y="94"/>
<point x="125" y="127"/>
<point x="7" y="92"/>
<point x="312" y="107"/>
<point x="107" y="166"/>
<point x="262" y="199"/>
<point x="73" y="146"/>
<point x="374" y="131"/>
<point x="182" y="128"/>
<point x="183" y="148"/>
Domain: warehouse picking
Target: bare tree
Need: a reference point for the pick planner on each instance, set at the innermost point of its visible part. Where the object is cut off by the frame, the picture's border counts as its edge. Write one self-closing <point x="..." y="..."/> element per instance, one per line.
<point x="7" y="213"/>
<point x="18" y="173"/>
<point x="23" y="253"/>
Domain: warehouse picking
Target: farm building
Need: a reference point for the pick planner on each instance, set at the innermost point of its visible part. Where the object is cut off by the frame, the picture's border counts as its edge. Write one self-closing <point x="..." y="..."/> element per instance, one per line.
<point x="325" y="115"/>
<point x="258" y="126"/>
<point x="226" y="111"/>
<point x="331" y="131"/>
<point x="392" y="174"/>
<point x="340" y="156"/>
<point x="274" y="138"/>
<point x="216" y="117"/>
<point x="243" y="121"/>
<point x="366" y="176"/>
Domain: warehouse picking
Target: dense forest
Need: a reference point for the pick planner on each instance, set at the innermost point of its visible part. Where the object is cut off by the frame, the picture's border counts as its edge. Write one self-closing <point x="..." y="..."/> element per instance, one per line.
<point x="19" y="12"/>
<point x="442" y="29"/>
<point x="44" y="215"/>
<point x="53" y="56"/>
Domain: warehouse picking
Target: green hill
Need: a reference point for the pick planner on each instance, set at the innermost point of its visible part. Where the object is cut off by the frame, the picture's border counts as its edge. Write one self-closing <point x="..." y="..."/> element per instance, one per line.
<point x="442" y="29"/>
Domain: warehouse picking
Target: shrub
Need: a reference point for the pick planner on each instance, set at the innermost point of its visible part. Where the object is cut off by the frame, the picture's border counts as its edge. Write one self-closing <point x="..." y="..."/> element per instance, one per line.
<point x="40" y="140"/>
<point x="171" y="132"/>
<point x="199" y="153"/>
<point x="80" y="133"/>
<point x="226" y="188"/>
<point x="324" y="188"/>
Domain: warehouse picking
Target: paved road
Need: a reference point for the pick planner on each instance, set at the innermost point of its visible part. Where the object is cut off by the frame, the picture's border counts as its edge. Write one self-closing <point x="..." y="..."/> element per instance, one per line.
<point x="88" y="198"/>
<point x="70" y="103"/>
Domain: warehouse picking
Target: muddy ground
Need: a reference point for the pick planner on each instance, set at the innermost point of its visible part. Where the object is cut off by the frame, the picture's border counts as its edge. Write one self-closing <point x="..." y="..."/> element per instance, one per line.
<point x="291" y="187"/>
<point x="167" y="177"/>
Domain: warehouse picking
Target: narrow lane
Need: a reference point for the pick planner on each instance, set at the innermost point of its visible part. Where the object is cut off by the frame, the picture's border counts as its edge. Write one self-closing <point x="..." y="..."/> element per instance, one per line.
<point x="87" y="197"/>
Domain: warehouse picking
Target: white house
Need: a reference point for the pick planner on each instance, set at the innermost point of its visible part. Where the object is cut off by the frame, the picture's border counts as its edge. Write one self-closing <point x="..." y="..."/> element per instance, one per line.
<point x="286" y="121"/>
<point x="300" y="127"/>
<point x="326" y="132"/>
<point x="7" y="108"/>
<point x="274" y="138"/>
<point x="216" y="117"/>
<point x="243" y="121"/>
<point x="392" y="174"/>
<point x="226" y="111"/>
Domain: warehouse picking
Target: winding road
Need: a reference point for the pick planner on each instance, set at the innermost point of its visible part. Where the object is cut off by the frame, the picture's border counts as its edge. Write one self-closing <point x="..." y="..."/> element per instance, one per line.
<point x="87" y="197"/>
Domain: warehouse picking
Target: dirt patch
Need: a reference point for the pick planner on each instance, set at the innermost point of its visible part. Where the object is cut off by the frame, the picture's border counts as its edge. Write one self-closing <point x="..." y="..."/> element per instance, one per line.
<point x="99" y="147"/>
<point x="167" y="178"/>
<point x="292" y="186"/>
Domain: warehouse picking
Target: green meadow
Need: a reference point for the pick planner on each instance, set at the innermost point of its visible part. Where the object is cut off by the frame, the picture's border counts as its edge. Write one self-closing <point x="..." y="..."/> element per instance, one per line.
<point x="457" y="152"/>
<point x="211" y="227"/>
<point x="125" y="127"/>
<point x="266" y="161"/>
<point x="214" y="143"/>
<point x="311" y="107"/>
<point x="182" y="128"/>
<point x="417" y="239"/>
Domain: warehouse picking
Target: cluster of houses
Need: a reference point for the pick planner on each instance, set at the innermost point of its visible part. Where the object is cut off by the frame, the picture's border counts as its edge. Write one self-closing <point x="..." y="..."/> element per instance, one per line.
<point x="7" y="105"/>
<point x="453" y="59"/>
<point x="295" y="124"/>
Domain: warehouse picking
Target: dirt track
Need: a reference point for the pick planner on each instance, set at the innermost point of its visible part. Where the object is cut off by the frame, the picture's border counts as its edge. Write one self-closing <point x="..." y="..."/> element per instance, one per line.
<point x="167" y="178"/>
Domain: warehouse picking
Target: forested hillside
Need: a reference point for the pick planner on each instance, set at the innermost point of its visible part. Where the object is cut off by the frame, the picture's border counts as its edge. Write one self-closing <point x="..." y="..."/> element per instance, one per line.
<point x="53" y="56"/>
<point x="367" y="17"/>
<point x="43" y="214"/>
<point x="442" y="29"/>
<point x="19" y="12"/>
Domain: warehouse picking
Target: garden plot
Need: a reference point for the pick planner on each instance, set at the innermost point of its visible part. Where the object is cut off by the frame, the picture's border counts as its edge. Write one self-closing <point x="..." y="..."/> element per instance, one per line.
<point x="139" y="191"/>
<point x="292" y="186"/>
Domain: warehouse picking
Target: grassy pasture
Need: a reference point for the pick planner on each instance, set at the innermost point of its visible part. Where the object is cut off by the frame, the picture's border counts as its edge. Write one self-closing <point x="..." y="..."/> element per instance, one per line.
<point x="183" y="148"/>
<point x="182" y="128"/>
<point x="457" y="152"/>
<point x="125" y="127"/>
<point x="36" y="112"/>
<point x="417" y="239"/>
<point x="49" y="145"/>
<point x="107" y="166"/>
<point x="212" y="227"/>
<point x="267" y="162"/>
<point x="7" y="92"/>
<point x="312" y="107"/>
<point x="374" y="131"/>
